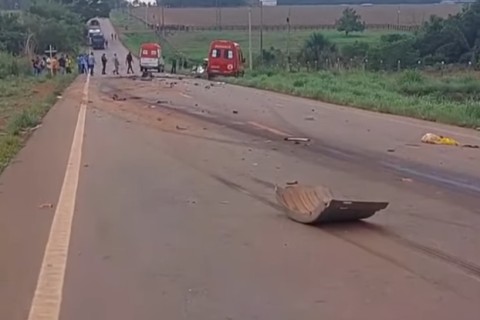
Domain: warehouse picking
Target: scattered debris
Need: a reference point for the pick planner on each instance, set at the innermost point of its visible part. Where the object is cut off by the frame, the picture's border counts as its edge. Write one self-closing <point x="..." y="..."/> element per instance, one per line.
<point x="310" y="118"/>
<point x="473" y="146"/>
<point x="478" y="129"/>
<point x="207" y="87"/>
<point x="46" y="206"/>
<point x="291" y="183"/>
<point x="195" y="84"/>
<point x="59" y="97"/>
<point x="117" y="98"/>
<point x="180" y="127"/>
<point x="297" y="139"/>
<point x="159" y="119"/>
<point x="85" y="165"/>
<point x="407" y="180"/>
<point x="321" y="206"/>
<point x="162" y="101"/>
<point x="255" y="164"/>
<point x="152" y="106"/>
<point x="432" y="138"/>
<point x="390" y="150"/>
<point x="196" y="104"/>
<point x="224" y="202"/>
<point x="235" y="112"/>
<point x="313" y="110"/>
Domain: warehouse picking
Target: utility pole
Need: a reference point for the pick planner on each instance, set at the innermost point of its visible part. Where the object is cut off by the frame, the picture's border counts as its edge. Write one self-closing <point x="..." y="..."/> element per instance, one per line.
<point x="250" y="59"/>
<point x="288" y="40"/>
<point x="163" y="18"/>
<point x="261" y="28"/>
<point x="146" y="15"/>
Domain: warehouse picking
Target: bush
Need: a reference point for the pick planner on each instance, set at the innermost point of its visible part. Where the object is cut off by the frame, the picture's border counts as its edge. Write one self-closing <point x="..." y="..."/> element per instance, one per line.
<point x="10" y="65"/>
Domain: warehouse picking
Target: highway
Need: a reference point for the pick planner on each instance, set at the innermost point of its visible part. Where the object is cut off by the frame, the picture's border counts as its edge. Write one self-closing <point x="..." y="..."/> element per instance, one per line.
<point x="155" y="200"/>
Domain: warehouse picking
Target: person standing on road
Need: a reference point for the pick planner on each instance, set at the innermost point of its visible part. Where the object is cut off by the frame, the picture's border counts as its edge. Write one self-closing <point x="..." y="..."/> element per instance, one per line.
<point x="116" y="64"/>
<point x="104" y="63"/>
<point x="91" y="63"/>
<point x="129" y="63"/>
<point x="174" y="66"/>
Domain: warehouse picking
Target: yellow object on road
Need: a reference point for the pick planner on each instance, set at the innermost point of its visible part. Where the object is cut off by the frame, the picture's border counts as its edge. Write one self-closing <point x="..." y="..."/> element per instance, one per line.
<point x="432" y="138"/>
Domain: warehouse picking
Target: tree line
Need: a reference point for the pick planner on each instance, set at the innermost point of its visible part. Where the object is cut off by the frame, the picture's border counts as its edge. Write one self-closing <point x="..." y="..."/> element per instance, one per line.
<point x="440" y="41"/>
<point x="41" y="24"/>
<point x="358" y="2"/>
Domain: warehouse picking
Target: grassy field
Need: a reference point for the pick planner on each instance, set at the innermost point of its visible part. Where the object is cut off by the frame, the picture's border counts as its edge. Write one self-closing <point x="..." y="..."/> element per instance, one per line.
<point x="24" y="100"/>
<point x="194" y="45"/>
<point x="452" y="99"/>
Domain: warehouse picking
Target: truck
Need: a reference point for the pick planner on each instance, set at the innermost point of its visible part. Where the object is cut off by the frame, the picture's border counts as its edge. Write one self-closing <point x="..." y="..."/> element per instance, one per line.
<point x="97" y="41"/>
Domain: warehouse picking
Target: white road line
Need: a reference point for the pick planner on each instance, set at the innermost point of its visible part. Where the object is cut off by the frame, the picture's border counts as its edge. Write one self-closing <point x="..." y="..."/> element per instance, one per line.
<point x="47" y="298"/>
<point x="272" y="130"/>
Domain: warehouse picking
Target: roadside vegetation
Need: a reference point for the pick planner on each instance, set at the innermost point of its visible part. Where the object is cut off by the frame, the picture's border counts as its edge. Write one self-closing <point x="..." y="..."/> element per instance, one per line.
<point x="429" y="74"/>
<point x="25" y="33"/>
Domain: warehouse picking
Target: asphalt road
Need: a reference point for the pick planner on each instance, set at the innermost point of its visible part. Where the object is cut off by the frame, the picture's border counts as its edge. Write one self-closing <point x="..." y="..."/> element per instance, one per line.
<point x="175" y="216"/>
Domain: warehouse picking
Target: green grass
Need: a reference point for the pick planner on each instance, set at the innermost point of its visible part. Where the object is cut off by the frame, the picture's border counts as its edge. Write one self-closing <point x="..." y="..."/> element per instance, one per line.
<point x="449" y="99"/>
<point x="21" y="109"/>
<point x="194" y="45"/>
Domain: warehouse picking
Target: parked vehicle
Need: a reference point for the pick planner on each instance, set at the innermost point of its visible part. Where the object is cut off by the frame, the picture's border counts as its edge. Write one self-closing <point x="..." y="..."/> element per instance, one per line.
<point x="151" y="57"/>
<point x="225" y="59"/>
<point x="98" y="41"/>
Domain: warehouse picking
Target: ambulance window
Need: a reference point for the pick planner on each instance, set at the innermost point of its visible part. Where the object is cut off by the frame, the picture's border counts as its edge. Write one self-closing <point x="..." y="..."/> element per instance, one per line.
<point x="215" y="53"/>
<point x="145" y="52"/>
<point x="228" y="54"/>
<point x="153" y="52"/>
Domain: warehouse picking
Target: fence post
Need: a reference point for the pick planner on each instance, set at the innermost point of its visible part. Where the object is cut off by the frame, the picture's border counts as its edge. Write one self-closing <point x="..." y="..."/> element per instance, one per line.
<point x="398" y="65"/>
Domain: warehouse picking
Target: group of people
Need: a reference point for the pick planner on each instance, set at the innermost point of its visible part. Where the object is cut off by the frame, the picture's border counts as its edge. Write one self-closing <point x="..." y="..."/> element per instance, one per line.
<point x="87" y="63"/>
<point x="53" y="64"/>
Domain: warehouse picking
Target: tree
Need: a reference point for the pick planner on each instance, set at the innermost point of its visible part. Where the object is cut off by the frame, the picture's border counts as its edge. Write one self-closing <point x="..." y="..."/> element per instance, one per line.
<point x="350" y="22"/>
<point x="317" y="49"/>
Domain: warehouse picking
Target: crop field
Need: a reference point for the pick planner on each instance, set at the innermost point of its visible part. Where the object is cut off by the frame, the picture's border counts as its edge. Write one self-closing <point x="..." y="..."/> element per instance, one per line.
<point x="404" y="15"/>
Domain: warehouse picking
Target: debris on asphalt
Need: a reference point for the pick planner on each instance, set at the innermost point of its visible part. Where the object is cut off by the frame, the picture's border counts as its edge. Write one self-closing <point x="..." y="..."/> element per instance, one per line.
<point x="407" y="180"/>
<point x="291" y="183"/>
<point x="321" y="206"/>
<point x="162" y="101"/>
<point x="207" y="87"/>
<point x="224" y="202"/>
<point x="152" y="106"/>
<point x="59" y="97"/>
<point x="195" y="84"/>
<point x="390" y="150"/>
<point x="235" y="112"/>
<point x="432" y="138"/>
<point x="46" y="206"/>
<point x="255" y="164"/>
<point x="181" y="128"/>
<point x="117" y="98"/>
<point x="159" y="119"/>
<point x="478" y="129"/>
<point x="310" y="118"/>
<point x="297" y="139"/>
